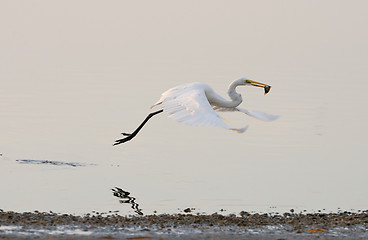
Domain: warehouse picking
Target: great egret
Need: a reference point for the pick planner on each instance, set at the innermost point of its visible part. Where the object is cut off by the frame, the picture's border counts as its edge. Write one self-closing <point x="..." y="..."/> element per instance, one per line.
<point x="196" y="103"/>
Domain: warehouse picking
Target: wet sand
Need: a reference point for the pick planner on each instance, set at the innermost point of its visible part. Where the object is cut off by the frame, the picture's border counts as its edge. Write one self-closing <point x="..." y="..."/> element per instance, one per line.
<point x="37" y="225"/>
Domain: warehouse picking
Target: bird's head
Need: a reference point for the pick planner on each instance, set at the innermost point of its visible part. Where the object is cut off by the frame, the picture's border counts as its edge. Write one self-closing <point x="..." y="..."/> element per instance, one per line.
<point x="246" y="81"/>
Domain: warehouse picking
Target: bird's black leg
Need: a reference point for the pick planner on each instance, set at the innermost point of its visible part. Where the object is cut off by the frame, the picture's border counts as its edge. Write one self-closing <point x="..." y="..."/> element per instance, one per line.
<point x="130" y="136"/>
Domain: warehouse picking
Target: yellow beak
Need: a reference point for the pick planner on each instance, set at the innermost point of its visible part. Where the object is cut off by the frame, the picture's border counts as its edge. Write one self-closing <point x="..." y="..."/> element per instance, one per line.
<point x="266" y="87"/>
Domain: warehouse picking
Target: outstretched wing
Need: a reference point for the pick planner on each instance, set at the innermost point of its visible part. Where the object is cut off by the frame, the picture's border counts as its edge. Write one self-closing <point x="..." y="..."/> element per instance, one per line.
<point x="257" y="114"/>
<point x="188" y="104"/>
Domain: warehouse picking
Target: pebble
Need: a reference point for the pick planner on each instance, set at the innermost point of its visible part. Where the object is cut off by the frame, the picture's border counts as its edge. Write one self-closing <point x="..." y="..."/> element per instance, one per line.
<point x="295" y="222"/>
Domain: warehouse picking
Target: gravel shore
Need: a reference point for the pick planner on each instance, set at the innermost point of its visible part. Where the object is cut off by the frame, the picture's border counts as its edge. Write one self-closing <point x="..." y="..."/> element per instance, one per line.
<point x="37" y="225"/>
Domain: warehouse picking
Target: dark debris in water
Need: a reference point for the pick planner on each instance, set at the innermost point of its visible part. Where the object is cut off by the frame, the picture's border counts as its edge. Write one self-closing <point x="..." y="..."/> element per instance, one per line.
<point x="55" y="163"/>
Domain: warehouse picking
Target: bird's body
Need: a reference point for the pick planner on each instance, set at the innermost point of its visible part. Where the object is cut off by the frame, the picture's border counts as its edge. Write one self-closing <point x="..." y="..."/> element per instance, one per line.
<point x="191" y="104"/>
<point x="196" y="104"/>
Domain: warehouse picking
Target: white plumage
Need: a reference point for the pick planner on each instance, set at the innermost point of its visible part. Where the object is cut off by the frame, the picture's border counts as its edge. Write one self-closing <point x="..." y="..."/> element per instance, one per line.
<point x="188" y="104"/>
<point x="195" y="104"/>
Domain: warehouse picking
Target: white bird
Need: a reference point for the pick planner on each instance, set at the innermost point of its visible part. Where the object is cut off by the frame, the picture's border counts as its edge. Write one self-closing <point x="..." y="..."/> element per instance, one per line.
<point x="196" y="104"/>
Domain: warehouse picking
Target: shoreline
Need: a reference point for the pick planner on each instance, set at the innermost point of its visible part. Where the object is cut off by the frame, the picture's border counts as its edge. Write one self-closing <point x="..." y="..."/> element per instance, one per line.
<point x="344" y="225"/>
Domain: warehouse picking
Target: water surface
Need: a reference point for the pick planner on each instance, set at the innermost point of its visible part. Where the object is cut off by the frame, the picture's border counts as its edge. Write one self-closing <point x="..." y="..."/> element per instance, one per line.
<point x="73" y="78"/>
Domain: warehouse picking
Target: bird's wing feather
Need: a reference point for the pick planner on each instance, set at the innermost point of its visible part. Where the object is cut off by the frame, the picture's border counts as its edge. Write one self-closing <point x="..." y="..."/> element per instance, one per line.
<point x="257" y="114"/>
<point x="190" y="105"/>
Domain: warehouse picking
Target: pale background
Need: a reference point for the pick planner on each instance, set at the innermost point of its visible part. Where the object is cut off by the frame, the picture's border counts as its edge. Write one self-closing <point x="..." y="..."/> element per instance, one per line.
<point x="74" y="74"/>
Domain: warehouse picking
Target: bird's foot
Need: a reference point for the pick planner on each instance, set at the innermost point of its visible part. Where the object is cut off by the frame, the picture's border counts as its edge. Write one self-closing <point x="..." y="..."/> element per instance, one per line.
<point x="128" y="137"/>
<point x="123" y="140"/>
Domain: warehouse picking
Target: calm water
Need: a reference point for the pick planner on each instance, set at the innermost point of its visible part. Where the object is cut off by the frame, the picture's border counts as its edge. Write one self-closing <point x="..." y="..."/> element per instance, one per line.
<point x="73" y="78"/>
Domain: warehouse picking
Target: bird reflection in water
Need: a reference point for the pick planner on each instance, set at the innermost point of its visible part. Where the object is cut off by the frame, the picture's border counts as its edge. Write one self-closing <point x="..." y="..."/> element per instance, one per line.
<point x="125" y="198"/>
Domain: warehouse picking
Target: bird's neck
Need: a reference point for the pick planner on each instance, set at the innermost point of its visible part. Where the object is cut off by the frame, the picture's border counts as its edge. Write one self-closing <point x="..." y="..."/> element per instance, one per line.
<point x="235" y="97"/>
